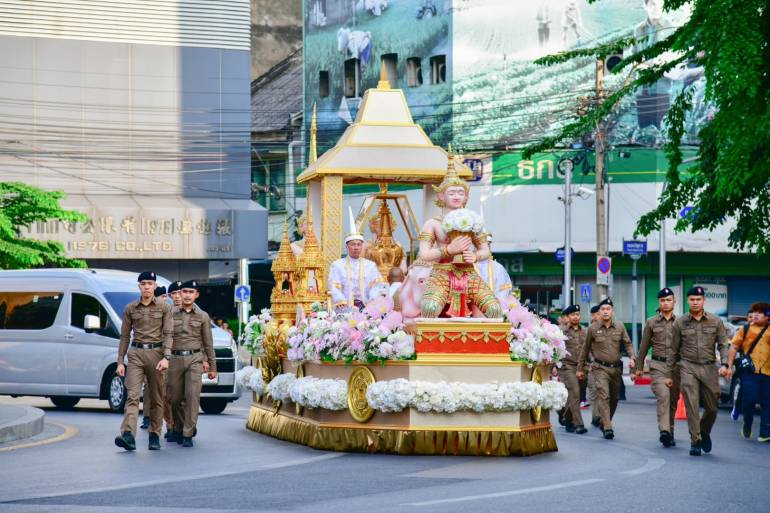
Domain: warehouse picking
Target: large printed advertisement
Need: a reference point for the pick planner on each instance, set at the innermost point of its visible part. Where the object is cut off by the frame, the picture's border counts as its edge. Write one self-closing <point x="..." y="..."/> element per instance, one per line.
<point x="466" y="67"/>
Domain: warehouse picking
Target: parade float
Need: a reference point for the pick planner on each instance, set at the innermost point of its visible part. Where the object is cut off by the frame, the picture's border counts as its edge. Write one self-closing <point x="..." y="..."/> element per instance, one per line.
<point x="390" y="378"/>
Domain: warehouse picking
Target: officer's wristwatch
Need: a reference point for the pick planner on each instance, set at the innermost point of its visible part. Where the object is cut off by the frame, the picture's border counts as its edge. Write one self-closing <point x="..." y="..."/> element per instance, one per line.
<point x="167" y="356"/>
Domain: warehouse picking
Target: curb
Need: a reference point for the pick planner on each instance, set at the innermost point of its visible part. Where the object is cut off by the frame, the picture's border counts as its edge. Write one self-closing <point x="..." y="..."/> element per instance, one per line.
<point x="17" y="422"/>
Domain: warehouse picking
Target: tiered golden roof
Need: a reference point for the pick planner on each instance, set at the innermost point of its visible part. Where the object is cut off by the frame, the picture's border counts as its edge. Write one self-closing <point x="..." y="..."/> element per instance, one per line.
<point x="311" y="269"/>
<point x="283" y="298"/>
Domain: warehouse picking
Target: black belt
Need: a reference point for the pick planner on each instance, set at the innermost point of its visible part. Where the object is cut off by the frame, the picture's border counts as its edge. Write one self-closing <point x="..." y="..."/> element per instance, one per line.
<point x="139" y="345"/>
<point x="614" y="365"/>
<point x="659" y="358"/>
<point x="184" y="352"/>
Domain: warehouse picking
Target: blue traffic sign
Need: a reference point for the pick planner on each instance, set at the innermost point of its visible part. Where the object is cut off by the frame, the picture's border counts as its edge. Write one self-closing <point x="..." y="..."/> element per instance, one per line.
<point x="242" y="293"/>
<point x="635" y="247"/>
<point x="585" y="292"/>
<point x="685" y="212"/>
<point x="559" y="254"/>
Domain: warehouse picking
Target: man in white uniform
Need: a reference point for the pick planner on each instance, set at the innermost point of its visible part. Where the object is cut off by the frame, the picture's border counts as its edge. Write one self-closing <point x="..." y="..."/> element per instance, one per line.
<point x="353" y="280"/>
<point x="494" y="274"/>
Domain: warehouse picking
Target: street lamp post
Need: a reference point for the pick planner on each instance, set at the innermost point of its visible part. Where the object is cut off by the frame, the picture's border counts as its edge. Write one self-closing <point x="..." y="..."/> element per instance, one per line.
<point x="566" y="167"/>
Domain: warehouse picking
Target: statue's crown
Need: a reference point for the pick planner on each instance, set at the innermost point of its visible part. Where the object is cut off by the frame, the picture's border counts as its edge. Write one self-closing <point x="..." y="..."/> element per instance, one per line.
<point x="452" y="177"/>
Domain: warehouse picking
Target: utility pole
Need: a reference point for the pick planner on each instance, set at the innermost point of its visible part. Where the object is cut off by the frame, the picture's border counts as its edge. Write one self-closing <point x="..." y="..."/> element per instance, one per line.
<point x="566" y="167"/>
<point x="599" y="146"/>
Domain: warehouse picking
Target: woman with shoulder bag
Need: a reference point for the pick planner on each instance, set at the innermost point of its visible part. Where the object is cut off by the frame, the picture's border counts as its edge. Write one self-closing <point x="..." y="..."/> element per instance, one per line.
<point x="754" y="368"/>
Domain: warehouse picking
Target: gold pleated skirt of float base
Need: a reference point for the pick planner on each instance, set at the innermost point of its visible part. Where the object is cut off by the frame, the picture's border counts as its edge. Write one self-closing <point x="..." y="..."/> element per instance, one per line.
<point x="410" y="432"/>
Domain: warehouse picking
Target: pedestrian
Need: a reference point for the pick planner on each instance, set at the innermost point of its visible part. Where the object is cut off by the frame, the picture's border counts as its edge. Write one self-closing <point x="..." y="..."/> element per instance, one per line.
<point x="175" y="291"/>
<point x="568" y="372"/>
<point x="148" y="326"/>
<point x="175" y="294"/>
<point x="226" y="327"/>
<point x="694" y="339"/>
<point x="192" y="356"/>
<point x="735" y="412"/>
<point x="160" y="295"/>
<point x="589" y="383"/>
<point x="754" y="369"/>
<point x="602" y="343"/>
<point x="663" y="371"/>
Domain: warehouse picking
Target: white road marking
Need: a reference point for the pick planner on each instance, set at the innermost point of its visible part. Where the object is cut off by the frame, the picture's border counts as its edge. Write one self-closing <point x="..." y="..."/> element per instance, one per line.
<point x="652" y="464"/>
<point x="521" y="491"/>
<point x="155" y="482"/>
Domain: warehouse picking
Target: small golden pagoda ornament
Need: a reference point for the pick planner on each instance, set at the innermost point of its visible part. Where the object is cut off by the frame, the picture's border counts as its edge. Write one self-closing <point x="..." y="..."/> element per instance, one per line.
<point x="283" y="298"/>
<point x="311" y="272"/>
<point x="384" y="251"/>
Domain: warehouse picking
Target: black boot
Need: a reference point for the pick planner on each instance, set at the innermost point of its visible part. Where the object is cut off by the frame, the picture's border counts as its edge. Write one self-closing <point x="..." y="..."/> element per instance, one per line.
<point x="666" y="439"/>
<point x="695" y="449"/>
<point x="609" y="434"/>
<point x="596" y="422"/>
<point x="570" y="427"/>
<point x="168" y="436"/>
<point x="154" y="442"/>
<point x="178" y="436"/>
<point x="187" y="441"/>
<point x="581" y="430"/>
<point x="705" y="443"/>
<point x="126" y="441"/>
<point x="145" y="422"/>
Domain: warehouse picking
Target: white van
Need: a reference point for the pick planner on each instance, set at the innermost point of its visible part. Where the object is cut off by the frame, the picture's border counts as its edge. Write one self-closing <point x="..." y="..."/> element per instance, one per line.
<point x="47" y="348"/>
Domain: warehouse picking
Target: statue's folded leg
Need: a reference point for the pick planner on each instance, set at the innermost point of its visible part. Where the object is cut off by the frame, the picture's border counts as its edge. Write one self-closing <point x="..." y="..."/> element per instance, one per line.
<point x="483" y="297"/>
<point x="436" y="294"/>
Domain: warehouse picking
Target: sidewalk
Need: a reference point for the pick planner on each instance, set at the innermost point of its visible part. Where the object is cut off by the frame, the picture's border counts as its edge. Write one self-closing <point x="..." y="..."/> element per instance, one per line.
<point x="17" y="422"/>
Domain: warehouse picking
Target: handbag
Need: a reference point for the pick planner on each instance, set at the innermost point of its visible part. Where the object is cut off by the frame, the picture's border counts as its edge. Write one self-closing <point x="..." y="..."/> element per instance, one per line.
<point x="746" y="364"/>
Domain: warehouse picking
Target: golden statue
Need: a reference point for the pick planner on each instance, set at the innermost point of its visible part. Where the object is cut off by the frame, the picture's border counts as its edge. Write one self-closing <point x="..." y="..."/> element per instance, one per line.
<point x="454" y="288"/>
<point x="283" y="297"/>
<point x="384" y="250"/>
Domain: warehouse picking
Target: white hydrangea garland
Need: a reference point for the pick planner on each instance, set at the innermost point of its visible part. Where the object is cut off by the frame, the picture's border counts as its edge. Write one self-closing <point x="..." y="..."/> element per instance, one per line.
<point x="310" y="392"/>
<point x="442" y="397"/>
<point x="251" y="378"/>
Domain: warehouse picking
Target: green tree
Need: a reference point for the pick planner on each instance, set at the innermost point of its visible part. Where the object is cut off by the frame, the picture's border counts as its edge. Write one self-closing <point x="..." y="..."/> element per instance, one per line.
<point x="20" y="206"/>
<point x="730" y="39"/>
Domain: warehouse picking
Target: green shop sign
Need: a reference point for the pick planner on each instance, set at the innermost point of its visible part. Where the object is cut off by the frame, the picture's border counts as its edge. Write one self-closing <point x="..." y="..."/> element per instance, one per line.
<point x="625" y="165"/>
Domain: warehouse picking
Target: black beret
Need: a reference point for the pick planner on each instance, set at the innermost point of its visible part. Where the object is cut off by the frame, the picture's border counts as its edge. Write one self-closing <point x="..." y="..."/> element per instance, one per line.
<point x="174" y="286"/>
<point x="190" y="284"/>
<point x="696" y="291"/>
<point x="605" y="301"/>
<point x="595" y="309"/>
<point x="665" y="292"/>
<point x="159" y="291"/>
<point x="571" y="309"/>
<point x="147" y="275"/>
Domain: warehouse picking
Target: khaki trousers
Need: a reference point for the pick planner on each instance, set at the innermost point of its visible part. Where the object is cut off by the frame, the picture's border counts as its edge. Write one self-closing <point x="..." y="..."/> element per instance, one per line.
<point x="665" y="398"/>
<point x="700" y="386"/>
<point x="606" y="392"/>
<point x="166" y="404"/>
<point x="141" y="365"/>
<point x="185" y="387"/>
<point x="567" y="375"/>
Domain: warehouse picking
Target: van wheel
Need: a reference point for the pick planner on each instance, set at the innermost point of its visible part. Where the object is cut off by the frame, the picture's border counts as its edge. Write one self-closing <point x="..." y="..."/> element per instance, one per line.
<point x="116" y="397"/>
<point x="213" y="405"/>
<point x="64" y="402"/>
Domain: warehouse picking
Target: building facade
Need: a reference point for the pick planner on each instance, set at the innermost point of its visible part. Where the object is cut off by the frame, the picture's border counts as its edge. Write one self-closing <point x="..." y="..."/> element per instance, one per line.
<point x="467" y="69"/>
<point x="140" y="112"/>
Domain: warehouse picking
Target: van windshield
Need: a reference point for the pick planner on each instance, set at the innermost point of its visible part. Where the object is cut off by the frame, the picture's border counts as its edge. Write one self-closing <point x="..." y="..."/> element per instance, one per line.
<point x="119" y="300"/>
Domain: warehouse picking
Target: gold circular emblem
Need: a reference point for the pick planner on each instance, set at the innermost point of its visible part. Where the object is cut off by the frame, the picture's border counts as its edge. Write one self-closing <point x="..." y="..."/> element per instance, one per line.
<point x="298" y="408"/>
<point x="537" y="377"/>
<point x="358" y="382"/>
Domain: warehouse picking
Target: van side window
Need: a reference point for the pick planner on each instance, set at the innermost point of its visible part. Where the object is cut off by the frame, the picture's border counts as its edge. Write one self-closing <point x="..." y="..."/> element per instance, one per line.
<point x="82" y="305"/>
<point x="28" y="310"/>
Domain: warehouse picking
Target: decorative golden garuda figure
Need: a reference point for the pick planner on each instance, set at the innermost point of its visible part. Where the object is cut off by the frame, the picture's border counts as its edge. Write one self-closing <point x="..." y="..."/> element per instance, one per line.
<point x="384" y="250"/>
<point x="453" y="243"/>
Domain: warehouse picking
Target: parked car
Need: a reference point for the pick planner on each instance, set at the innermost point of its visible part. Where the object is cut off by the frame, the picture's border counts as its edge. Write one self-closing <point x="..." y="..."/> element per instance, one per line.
<point x="59" y="334"/>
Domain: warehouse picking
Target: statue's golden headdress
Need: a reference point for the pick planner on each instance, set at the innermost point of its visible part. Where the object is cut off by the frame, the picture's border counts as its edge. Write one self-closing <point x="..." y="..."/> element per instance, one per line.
<point x="451" y="179"/>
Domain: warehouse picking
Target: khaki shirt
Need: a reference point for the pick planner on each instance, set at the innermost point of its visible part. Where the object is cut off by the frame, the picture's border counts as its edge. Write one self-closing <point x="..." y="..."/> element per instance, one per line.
<point x="657" y="332"/>
<point x="192" y="330"/>
<point x="150" y="324"/>
<point x="603" y="343"/>
<point x="761" y="353"/>
<point x="695" y="341"/>
<point x="574" y="343"/>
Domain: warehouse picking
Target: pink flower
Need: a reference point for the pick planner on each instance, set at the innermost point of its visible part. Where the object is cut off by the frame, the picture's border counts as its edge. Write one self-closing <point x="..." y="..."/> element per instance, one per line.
<point x="391" y="321"/>
<point x="378" y="307"/>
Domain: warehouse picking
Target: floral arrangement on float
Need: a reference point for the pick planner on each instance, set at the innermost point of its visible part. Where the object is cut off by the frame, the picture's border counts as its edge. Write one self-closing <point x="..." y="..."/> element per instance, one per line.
<point x="376" y="334"/>
<point x="534" y="341"/>
<point x="253" y="335"/>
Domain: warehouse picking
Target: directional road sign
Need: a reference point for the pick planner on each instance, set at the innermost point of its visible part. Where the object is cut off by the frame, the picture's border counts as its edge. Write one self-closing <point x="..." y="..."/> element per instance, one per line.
<point x="242" y="293"/>
<point x="603" y="270"/>
<point x="585" y="292"/>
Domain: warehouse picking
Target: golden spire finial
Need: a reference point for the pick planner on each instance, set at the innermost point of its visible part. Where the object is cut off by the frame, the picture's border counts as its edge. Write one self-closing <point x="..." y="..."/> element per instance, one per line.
<point x="384" y="83"/>
<point x="313" y="136"/>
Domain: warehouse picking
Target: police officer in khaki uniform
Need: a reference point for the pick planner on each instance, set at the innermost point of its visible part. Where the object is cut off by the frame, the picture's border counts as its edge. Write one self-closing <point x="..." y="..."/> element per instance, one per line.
<point x="567" y="373"/>
<point x="694" y="339"/>
<point x="603" y="340"/>
<point x="151" y="323"/>
<point x="192" y="355"/>
<point x="665" y="375"/>
<point x="175" y="292"/>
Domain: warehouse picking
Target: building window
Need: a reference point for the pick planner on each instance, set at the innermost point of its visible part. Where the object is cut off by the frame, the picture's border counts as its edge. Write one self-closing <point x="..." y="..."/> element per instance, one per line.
<point x="268" y="182"/>
<point x="323" y="84"/>
<point x="390" y="60"/>
<point x="413" y="72"/>
<point x="352" y="78"/>
<point x="438" y="69"/>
